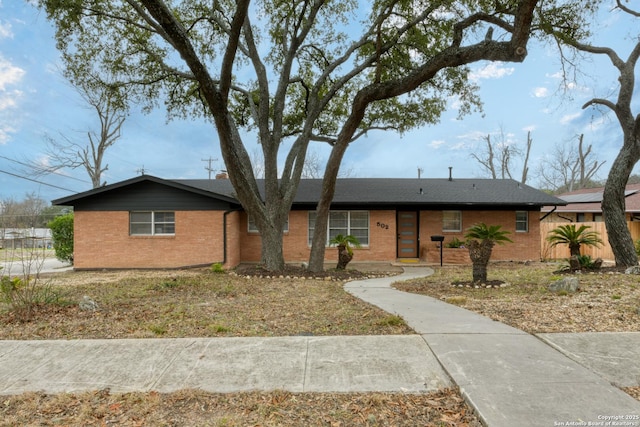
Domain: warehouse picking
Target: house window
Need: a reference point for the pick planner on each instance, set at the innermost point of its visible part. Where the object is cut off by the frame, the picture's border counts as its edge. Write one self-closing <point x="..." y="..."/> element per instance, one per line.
<point x="253" y="228"/>
<point x="152" y="223"/>
<point x="355" y="223"/>
<point x="580" y="217"/>
<point x="522" y="221"/>
<point x="597" y="217"/>
<point x="451" y="220"/>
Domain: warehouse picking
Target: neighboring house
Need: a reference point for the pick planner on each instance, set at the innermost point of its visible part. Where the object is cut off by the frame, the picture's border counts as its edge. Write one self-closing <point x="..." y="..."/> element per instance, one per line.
<point x="585" y="206"/>
<point x="148" y="222"/>
<point x="15" y="238"/>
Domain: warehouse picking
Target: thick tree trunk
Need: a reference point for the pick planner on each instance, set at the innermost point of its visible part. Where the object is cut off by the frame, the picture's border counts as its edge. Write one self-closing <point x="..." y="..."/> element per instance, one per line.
<point x="272" y="257"/>
<point x="318" y="246"/>
<point x="613" y="205"/>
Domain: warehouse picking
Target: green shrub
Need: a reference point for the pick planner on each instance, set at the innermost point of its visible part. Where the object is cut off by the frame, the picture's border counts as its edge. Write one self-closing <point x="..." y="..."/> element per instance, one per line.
<point x="455" y="243"/>
<point x="62" y="233"/>
<point x="217" y="267"/>
<point x="586" y="261"/>
<point x="22" y="296"/>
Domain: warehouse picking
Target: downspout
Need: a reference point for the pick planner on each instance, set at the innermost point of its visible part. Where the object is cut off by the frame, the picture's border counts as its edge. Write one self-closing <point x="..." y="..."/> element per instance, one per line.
<point x="549" y="213"/>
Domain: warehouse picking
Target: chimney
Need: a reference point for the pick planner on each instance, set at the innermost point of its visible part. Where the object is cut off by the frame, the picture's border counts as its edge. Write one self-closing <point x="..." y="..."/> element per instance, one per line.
<point x="450" y="175"/>
<point x="222" y="175"/>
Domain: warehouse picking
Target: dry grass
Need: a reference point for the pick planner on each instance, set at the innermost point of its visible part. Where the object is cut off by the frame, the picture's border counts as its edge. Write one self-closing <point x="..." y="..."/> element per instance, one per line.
<point x="198" y="303"/>
<point x="202" y="303"/>
<point x="608" y="301"/>
<point x="197" y="408"/>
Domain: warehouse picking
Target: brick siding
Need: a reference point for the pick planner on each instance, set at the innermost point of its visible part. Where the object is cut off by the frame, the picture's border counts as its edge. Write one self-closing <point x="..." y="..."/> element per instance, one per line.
<point x="525" y="246"/>
<point x="102" y="239"/>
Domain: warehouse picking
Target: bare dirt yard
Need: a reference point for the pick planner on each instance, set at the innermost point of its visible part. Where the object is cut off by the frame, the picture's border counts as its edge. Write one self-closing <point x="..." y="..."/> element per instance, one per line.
<point x="201" y="303"/>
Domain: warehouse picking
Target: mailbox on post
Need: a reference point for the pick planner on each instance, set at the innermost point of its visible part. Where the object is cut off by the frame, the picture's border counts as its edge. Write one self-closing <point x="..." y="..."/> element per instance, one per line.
<point x="440" y="239"/>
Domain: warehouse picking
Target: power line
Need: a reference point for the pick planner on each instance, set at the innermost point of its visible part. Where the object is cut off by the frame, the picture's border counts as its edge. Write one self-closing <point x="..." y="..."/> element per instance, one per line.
<point x="36" y="181"/>
<point x="209" y="168"/>
<point x="44" y="170"/>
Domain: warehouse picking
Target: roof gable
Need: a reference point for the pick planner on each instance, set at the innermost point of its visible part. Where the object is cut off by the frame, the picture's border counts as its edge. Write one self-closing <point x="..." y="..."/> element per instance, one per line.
<point x="147" y="192"/>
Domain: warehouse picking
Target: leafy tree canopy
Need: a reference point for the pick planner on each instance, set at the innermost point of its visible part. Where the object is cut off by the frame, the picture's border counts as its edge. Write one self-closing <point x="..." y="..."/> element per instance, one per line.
<point x="298" y="71"/>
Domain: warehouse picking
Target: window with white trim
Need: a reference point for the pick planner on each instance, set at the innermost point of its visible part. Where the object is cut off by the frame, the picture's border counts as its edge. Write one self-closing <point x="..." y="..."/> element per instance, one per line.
<point x="451" y="220"/>
<point x="354" y="223"/>
<point x="253" y="228"/>
<point x="152" y="223"/>
<point x="522" y="221"/>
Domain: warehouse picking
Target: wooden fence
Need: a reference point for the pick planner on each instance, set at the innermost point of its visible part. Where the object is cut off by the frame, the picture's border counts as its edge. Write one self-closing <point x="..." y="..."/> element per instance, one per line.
<point x="562" y="251"/>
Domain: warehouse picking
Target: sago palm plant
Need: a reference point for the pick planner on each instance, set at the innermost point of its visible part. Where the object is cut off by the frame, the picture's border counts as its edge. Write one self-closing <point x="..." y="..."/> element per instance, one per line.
<point x="482" y="238"/>
<point x="573" y="237"/>
<point x="345" y="252"/>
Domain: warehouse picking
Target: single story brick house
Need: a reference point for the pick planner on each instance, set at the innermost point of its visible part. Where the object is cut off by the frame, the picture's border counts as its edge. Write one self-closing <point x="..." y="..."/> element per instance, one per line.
<point x="149" y="222"/>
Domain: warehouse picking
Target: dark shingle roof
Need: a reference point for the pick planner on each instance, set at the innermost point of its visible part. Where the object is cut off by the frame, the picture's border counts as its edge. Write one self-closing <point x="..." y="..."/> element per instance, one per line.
<point x="367" y="191"/>
<point x="394" y="191"/>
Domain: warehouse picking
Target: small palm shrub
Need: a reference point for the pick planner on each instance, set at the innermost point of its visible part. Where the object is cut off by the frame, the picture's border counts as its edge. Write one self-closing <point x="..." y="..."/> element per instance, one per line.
<point x="345" y="251"/>
<point x="481" y="239"/>
<point x="573" y="237"/>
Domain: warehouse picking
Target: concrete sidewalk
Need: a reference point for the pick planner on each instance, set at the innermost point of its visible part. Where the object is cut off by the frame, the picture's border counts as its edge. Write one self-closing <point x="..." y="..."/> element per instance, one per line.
<point x="401" y="363"/>
<point x="510" y="378"/>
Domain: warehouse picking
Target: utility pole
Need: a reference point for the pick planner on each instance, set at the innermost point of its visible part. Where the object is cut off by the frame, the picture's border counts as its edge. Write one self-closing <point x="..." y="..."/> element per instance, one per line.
<point x="209" y="168"/>
<point x="420" y="170"/>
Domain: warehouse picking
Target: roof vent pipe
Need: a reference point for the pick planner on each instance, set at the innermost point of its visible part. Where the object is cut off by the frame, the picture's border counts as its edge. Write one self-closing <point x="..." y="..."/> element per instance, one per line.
<point x="450" y="176"/>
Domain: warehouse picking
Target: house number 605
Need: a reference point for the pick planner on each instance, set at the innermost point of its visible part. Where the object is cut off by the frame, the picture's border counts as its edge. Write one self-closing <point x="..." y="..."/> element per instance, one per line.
<point x="383" y="225"/>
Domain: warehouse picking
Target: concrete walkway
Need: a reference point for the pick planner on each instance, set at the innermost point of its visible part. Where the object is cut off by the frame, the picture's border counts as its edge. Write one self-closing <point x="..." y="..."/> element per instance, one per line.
<point x="511" y="378"/>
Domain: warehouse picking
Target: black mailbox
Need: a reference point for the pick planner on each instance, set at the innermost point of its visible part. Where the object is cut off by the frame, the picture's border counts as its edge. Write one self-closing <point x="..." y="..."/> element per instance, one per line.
<point x="438" y="238"/>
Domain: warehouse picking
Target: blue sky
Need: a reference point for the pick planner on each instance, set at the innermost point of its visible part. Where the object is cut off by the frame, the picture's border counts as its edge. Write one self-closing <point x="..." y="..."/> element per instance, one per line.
<point x="36" y="101"/>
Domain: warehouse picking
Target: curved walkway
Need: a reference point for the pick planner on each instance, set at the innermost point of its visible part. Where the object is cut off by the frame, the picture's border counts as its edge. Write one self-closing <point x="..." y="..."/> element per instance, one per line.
<point x="511" y="378"/>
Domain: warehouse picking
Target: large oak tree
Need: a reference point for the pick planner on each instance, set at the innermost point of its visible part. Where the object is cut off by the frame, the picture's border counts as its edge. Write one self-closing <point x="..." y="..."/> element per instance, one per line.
<point x="613" y="199"/>
<point x="293" y="72"/>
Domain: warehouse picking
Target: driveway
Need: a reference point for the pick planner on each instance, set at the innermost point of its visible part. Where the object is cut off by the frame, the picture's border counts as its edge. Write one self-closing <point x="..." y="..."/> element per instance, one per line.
<point x="48" y="265"/>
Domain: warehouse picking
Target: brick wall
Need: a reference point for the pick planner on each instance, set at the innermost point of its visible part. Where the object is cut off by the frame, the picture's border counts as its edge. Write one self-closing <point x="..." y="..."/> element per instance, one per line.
<point x="102" y="240"/>
<point x="382" y="234"/>
<point x="233" y="239"/>
<point x="525" y="246"/>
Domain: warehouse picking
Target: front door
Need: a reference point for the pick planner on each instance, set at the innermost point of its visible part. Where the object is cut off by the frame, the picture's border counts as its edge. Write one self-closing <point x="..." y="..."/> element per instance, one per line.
<point x="407" y="234"/>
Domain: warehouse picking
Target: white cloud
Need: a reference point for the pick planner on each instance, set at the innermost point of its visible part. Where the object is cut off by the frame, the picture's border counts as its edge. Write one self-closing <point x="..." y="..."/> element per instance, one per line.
<point x="529" y="128"/>
<point x="493" y="70"/>
<point x="540" y="92"/>
<point x="5" y="130"/>
<point x="8" y="99"/>
<point x="9" y="74"/>
<point x="568" y="118"/>
<point x="436" y="143"/>
<point x="5" y="30"/>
